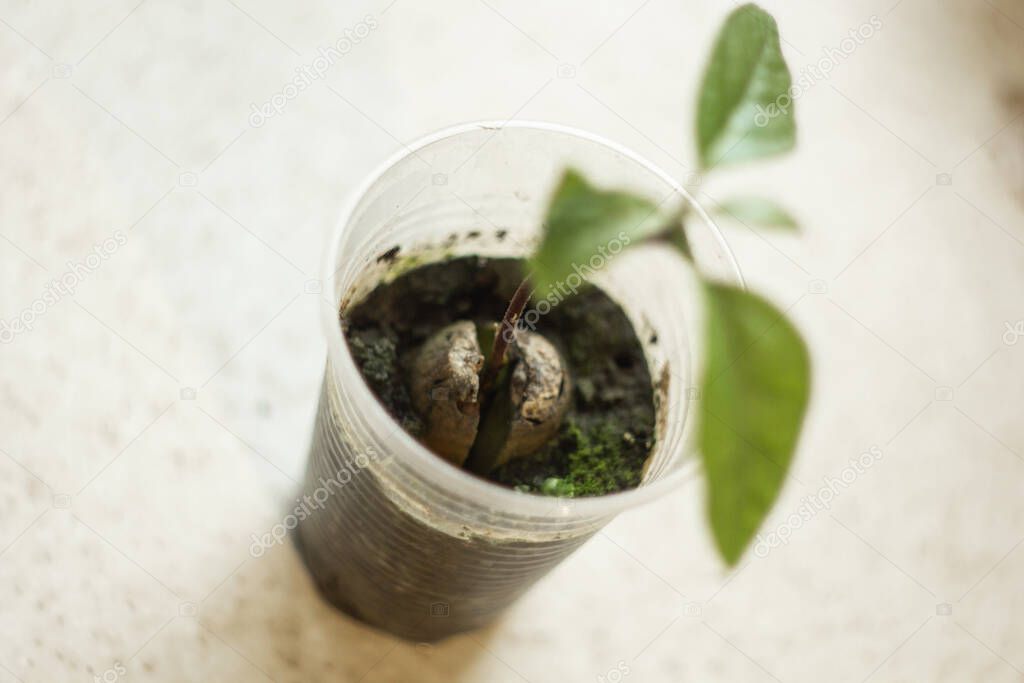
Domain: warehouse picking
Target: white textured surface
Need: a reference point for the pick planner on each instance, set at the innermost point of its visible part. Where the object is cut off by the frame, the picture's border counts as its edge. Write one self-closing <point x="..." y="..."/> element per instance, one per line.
<point x="125" y="512"/>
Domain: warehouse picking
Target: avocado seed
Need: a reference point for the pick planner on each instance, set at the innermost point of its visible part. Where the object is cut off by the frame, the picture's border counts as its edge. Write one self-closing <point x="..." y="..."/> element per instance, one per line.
<point x="445" y="388"/>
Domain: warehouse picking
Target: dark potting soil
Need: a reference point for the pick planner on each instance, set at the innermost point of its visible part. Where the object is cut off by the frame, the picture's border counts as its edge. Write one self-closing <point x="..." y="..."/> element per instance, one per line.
<point x="609" y="429"/>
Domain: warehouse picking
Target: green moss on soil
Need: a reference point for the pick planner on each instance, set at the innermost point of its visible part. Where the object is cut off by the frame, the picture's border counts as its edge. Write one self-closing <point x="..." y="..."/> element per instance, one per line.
<point x="579" y="463"/>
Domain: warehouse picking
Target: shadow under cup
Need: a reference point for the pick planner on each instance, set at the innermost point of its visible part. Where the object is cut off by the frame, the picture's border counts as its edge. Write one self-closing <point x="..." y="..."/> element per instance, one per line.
<point x="395" y="535"/>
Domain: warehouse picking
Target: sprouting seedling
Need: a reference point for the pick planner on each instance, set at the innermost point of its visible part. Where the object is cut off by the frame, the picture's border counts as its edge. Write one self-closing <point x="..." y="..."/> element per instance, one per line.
<point x="756" y="379"/>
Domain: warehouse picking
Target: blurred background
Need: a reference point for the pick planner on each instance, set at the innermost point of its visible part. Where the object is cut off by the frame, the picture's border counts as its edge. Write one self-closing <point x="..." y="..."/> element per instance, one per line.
<point x="165" y="200"/>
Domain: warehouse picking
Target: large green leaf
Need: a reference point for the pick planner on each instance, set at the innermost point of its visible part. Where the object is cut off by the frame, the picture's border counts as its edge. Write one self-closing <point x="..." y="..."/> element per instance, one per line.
<point x="758" y="211"/>
<point x="754" y="394"/>
<point x="744" y="109"/>
<point x="585" y="227"/>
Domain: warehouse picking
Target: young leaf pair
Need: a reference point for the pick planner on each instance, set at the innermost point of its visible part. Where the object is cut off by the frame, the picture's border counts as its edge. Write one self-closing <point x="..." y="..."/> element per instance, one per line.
<point x="756" y="379"/>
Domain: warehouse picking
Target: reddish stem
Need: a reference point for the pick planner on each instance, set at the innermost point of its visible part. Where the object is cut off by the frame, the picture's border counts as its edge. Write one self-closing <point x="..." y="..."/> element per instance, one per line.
<point x="506" y="333"/>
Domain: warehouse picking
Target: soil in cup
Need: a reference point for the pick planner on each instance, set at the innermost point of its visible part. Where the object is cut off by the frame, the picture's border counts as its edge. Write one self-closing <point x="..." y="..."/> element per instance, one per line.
<point x="608" y="432"/>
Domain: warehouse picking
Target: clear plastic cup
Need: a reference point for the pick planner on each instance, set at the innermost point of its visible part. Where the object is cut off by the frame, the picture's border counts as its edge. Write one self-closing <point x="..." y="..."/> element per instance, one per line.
<point x="401" y="539"/>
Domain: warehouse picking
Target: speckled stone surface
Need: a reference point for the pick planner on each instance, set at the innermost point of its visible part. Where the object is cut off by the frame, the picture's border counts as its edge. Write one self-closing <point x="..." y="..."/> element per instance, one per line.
<point x="159" y="415"/>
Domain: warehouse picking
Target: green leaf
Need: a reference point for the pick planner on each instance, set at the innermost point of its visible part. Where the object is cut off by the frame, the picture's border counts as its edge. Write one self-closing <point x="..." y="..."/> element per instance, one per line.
<point x="754" y="394"/>
<point x="585" y="227"/>
<point x="745" y="110"/>
<point x="757" y="210"/>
